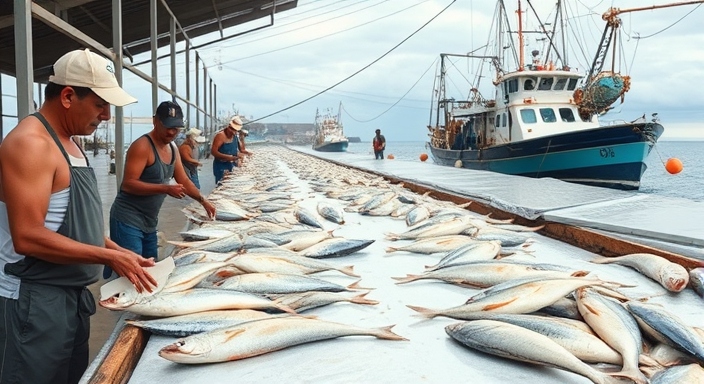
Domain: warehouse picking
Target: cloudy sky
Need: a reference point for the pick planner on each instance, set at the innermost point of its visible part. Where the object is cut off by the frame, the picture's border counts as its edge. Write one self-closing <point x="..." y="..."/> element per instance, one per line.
<point x="323" y="42"/>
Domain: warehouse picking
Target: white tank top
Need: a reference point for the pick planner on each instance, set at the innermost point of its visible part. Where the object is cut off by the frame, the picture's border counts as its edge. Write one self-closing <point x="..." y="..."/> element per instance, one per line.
<point x="58" y="203"/>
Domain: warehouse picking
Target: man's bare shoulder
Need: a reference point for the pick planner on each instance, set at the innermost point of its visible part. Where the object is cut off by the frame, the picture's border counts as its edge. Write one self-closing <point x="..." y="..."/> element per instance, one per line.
<point x="29" y="136"/>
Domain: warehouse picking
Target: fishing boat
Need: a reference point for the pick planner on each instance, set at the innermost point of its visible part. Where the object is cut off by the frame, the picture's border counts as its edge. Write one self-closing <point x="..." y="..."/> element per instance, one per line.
<point x="329" y="134"/>
<point x="543" y="120"/>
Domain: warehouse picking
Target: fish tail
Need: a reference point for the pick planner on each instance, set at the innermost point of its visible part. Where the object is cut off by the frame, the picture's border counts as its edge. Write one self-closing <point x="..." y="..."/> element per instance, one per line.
<point x="386" y="334"/>
<point x="360" y="299"/>
<point x="355" y="285"/>
<point x="348" y="270"/>
<point x="391" y="249"/>
<point x="635" y="375"/>
<point x="602" y="260"/>
<point x="465" y="205"/>
<point x="424" y="312"/>
<point x="407" y="279"/>
<point x="392" y="236"/>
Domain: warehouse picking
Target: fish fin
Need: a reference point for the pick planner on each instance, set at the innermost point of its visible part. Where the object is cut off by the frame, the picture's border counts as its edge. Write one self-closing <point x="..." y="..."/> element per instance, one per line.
<point x="355" y="285"/>
<point x="581" y="273"/>
<point x="424" y="312"/>
<point x="348" y="270"/>
<point x="284" y="308"/>
<point x="391" y="249"/>
<point x="387" y="334"/>
<point x="229" y="334"/>
<point x="492" y="307"/>
<point x="590" y="309"/>
<point x="360" y="299"/>
<point x="407" y="279"/>
<point x="465" y="205"/>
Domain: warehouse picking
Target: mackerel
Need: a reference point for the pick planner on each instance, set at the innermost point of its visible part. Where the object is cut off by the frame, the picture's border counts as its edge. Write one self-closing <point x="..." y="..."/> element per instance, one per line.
<point x="185" y="302"/>
<point x="692" y="373"/>
<point x="529" y="296"/>
<point x="671" y="276"/>
<point x="470" y="252"/>
<point x="616" y="327"/>
<point x="666" y="327"/>
<point x="335" y="247"/>
<point x="272" y="283"/>
<point x="188" y="276"/>
<point x="186" y="325"/>
<point x="482" y="274"/>
<point x="263" y="336"/>
<point x="300" y="302"/>
<point x="331" y="212"/>
<point x="521" y="344"/>
<point x="435" y="244"/>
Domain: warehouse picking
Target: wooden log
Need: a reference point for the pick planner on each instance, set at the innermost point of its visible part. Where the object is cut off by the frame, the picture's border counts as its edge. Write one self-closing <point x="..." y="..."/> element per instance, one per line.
<point x="123" y="357"/>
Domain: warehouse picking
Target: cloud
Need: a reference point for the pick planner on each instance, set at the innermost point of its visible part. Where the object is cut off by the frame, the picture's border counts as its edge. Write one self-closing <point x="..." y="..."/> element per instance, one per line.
<point x="320" y="43"/>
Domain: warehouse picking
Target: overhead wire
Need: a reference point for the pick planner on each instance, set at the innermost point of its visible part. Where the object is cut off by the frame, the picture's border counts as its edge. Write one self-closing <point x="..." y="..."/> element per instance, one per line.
<point x="360" y="70"/>
<point x="671" y="25"/>
<point x="324" y="36"/>
<point x="394" y="104"/>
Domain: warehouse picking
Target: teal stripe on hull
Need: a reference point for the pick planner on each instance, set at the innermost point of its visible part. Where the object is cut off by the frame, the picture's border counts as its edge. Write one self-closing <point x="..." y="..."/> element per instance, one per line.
<point x="581" y="158"/>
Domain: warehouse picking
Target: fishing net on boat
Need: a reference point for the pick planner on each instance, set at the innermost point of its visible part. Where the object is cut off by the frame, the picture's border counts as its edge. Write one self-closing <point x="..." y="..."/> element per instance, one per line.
<point x="597" y="96"/>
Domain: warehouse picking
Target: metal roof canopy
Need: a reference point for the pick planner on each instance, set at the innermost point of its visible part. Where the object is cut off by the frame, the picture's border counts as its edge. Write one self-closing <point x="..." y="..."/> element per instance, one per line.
<point x="144" y="25"/>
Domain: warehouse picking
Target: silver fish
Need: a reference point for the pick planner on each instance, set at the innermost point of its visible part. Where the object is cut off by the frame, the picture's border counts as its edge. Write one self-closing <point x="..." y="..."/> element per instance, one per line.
<point x="300" y="302"/>
<point x="692" y="373"/>
<point x="470" y="252"/>
<point x="667" y="328"/>
<point x="526" y="297"/>
<point x="331" y="212"/>
<point x="306" y="217"/>
<point x="671" y="276"/>
<point x="188" y="276"/>
<point x="435" y="244"/>
<point x="335" y="247"/>
<point x="696" y="280"/>
<point x="259" y="337"/>
<point x="185" y="302"/>
<point x="186" y="325"/>
<point x="616" y="327"/>
<point x="272" y="283"/>
<point x="517" y="343"/>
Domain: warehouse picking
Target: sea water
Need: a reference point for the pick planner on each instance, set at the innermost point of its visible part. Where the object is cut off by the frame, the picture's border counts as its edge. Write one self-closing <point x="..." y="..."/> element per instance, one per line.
<point x="687" y="184"/>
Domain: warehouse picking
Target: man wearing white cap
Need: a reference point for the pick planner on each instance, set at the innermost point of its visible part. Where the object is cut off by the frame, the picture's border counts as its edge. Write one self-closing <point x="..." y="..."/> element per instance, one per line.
<point x="190" y="153"/>
<point x="52" y="241"/>
<point x="225" y="148"/>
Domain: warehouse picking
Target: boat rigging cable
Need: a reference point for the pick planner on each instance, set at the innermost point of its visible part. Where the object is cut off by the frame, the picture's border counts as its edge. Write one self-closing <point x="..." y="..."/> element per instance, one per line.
<point x="359" y="71"/>
<point x="394" y="104"/>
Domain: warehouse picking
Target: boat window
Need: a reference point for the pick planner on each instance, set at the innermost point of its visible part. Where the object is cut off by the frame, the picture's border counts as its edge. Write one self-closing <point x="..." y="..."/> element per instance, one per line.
<point x="503" y="121"/>
<point x="545" y="83"/>
<point x="567" y="115"/>
<point x="572" y="85"/>
<point x="528" y="116"/>
<point x="560" y="84"/>
<point x="529" y="84"/>
<point x="513" y="85"/>
<point x="548" y="115"/>
<point x="497" y="122"/>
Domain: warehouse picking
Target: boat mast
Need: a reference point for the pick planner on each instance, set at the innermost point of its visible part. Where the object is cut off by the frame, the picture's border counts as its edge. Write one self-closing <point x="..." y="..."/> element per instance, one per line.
<point x="521" y="62"/>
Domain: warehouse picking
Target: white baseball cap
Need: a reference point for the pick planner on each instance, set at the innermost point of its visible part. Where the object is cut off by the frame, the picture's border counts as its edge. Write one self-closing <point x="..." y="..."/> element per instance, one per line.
<point x="195" y="132"/>
<point x="236" y="123"/>
<point x="83" y="68"/>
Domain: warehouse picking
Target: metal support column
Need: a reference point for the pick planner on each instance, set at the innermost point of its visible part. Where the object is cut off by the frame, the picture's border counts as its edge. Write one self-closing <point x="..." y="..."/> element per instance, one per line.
<point x="197" y="96"/>
<point x="119" y="113"/>
<point x="24" y="61"/>
<point x="172" y="53"/>
<point x="188" y="83"/>
<point x="206" y="125"/>
<point x="153" y="39"/>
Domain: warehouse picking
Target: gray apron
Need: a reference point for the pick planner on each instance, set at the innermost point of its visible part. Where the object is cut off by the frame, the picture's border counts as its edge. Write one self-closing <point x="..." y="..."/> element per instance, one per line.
<point x="44" y="333"/>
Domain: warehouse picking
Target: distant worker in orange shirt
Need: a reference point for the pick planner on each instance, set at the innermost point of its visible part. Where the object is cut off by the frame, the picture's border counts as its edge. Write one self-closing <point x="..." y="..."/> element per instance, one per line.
<point x="379" y="144"/>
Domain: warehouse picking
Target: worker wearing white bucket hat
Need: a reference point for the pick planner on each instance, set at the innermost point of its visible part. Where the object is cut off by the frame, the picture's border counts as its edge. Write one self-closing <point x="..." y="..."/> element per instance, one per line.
<point x="190" y="153"/>
<point x="225" y="148"/>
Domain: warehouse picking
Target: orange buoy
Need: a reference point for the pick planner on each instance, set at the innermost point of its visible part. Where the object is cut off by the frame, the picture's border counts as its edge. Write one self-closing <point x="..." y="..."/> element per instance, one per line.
<point x="423" y="156"/>
<point x="391" y="157"/>
<point x="674" y="165"/>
